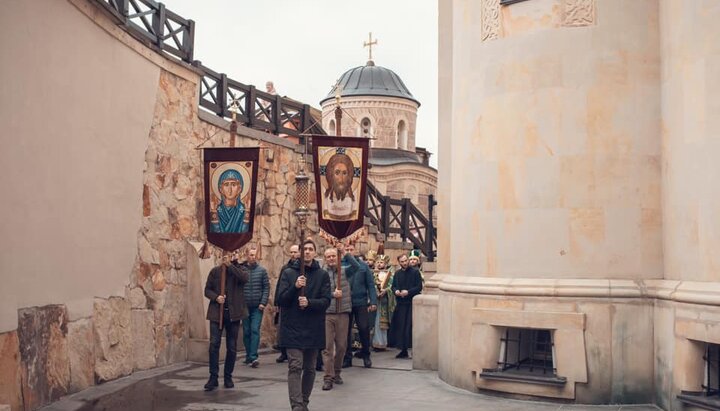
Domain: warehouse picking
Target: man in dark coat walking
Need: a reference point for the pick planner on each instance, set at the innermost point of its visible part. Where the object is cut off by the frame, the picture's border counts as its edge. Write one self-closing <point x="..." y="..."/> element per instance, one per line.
<point x="406" y="284"/>
<point x="294" y="256"/>
<point x="234" y="310"/>
<point x="303" y="301"/>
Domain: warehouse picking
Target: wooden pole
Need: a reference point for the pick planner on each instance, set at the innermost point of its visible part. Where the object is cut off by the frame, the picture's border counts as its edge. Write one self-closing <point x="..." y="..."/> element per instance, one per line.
<point x="223" y="275"/>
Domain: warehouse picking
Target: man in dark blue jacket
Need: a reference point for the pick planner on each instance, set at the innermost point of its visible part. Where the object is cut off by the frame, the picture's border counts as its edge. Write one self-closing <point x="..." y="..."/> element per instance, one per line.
<point x="364" y="300"/>
<point x="303" y="301"/>
<point x="257" y="291"/>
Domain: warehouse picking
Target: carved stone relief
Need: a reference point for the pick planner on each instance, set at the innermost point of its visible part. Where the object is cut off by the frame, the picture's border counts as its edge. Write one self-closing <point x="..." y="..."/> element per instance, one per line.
<point x="490" y="19"/>
<point x="578" y="12"/>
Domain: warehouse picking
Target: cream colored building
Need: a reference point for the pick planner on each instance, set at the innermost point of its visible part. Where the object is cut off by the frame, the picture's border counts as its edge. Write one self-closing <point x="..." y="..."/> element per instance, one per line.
<point x="379" y="106"/>
<point x="578" y="213"/>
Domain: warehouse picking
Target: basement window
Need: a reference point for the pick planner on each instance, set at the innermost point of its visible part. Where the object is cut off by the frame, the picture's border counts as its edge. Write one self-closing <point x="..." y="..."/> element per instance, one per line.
<point x="709" y="397"/>
<point x="526" y="355"/>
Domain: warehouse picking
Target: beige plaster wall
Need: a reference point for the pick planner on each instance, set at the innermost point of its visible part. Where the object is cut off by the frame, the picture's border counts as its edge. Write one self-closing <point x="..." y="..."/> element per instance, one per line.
<point x="76" y="106"/>
<point x="445" y="134"/>
<point x="691" y="138"/>
<point x="555" y="154"/>
<point x="385" y="113"/>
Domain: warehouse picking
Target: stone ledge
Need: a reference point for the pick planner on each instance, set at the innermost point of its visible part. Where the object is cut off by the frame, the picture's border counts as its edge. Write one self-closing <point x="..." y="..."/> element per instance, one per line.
<point x="248" y="132"/>
<point x="705" y="293"/>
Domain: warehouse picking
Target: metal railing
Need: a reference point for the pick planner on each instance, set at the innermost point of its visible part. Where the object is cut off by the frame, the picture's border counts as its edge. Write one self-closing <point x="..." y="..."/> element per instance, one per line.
<point x="402" y="217"/>
<point x="174" y="36"/>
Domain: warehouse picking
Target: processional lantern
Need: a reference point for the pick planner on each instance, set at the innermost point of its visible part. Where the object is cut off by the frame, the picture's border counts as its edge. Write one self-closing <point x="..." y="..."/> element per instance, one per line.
<point x="302" y="200"/>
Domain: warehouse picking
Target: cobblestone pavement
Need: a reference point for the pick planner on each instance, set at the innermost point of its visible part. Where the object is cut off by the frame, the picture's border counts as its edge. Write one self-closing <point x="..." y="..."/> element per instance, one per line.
<point x="389" y="385"/>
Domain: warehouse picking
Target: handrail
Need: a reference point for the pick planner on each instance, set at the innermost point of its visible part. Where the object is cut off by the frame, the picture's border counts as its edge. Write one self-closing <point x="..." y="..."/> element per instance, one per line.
<point x="174" y="36"/>
<point x="402" y="217"/>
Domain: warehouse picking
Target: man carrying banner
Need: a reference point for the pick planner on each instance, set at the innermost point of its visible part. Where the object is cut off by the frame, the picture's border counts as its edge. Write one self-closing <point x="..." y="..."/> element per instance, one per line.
<point x="303" y="300"/>
<point x="224" y="288"/>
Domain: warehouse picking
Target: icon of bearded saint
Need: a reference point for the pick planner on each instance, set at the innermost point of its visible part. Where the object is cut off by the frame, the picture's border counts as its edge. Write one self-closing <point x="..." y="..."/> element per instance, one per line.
<point x="338" y="199"/>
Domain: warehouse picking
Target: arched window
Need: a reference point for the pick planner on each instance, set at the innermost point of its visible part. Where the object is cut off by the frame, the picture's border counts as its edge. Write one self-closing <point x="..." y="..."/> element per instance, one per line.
<point x="331" y="128"/>
<point x="365" y="127"/>
<point x="402" y="135"/>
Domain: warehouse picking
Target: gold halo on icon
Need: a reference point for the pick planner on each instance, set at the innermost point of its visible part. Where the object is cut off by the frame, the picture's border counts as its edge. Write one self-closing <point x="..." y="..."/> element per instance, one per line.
<point x="230" y="165"/>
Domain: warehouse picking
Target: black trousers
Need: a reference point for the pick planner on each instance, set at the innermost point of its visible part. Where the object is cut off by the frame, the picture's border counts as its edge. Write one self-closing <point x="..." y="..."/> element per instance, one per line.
<point x="231" y="329"/>
<point x="362" y="320"/>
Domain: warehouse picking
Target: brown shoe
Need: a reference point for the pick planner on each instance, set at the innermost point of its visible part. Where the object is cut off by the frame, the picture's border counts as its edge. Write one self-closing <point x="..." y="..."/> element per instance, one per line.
<point x="327" y="385"/>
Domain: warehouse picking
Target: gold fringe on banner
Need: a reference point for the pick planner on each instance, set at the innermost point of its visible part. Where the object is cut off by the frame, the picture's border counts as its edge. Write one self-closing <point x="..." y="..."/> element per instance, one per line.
<point x="354" y="237"/>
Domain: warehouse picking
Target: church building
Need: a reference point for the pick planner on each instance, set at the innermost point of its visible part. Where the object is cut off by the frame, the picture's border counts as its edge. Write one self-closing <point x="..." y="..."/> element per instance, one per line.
<point x="377" y="105"/>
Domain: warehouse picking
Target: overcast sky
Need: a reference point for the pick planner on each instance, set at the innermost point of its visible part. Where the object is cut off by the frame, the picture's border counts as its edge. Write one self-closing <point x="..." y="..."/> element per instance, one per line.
<point x="304" y="46"/>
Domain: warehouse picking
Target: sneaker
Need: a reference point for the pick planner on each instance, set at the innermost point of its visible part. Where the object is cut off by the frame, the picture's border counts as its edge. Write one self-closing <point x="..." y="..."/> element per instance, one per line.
<point x="281" y="358"/>
<point x="255" y="363"/>
<point x="402" y="354"/>
<point x="229" y="383"/>
<point x="211" y="384"/>
<point x="327" y="385"/>
<point x="338" y="380"/>
<point x="246" y="361"/>
<point x="366" y="362"/>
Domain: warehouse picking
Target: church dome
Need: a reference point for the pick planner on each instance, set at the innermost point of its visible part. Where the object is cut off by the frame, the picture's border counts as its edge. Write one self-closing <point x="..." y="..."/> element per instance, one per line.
<point x="371" y="80"/>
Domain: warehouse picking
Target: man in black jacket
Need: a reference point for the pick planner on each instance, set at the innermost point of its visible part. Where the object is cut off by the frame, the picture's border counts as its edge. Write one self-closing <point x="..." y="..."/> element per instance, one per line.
<point x="303" y="301"/>
<point x="294" y="256"/>
<point x="234" y="310"/>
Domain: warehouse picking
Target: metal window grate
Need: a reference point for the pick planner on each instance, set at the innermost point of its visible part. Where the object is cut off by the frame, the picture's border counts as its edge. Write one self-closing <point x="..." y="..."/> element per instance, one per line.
<point x="527" y="350"/>
<point x="711" y="386"/>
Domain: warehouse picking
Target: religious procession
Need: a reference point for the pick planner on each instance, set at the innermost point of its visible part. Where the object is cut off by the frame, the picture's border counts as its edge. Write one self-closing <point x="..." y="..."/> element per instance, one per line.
<point x="330" y="303"/>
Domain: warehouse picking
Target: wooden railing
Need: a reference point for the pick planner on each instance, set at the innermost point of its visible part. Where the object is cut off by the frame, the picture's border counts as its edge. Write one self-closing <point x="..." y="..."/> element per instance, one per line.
<point x="170" y="34"/>
<point x="153" y="24"/>
<point x="402" y="217"/>
<point x="256" y="108"/>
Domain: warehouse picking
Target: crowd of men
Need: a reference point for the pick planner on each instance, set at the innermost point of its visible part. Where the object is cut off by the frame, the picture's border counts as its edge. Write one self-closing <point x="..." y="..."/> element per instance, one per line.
<point x="316" y="309"/>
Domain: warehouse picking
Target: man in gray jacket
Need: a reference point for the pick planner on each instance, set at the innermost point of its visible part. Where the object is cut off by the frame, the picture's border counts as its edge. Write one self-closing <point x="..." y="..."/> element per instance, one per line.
<point x="337" y="320"/>
<point x="257" y="291"/>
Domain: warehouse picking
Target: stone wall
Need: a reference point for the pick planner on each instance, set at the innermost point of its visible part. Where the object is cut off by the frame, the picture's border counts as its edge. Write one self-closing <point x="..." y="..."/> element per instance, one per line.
<point x="94" y="335"/>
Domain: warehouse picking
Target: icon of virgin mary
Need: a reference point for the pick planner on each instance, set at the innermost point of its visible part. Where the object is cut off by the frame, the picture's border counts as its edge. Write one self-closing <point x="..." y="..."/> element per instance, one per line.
<point x="230" y="211"/>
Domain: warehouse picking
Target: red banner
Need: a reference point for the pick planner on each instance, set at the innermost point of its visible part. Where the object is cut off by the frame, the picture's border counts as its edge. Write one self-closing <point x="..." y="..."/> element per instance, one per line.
<point x="340" y="166"/>
<point x="230" y="187"/>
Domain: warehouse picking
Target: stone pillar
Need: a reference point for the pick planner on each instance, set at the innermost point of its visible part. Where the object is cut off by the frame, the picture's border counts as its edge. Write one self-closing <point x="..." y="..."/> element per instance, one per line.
<point x="554" y="154"/>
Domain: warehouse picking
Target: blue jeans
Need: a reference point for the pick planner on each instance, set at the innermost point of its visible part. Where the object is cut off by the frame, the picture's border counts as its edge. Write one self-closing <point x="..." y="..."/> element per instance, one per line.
<point x="231" y="329"/>
<point x="251" y="333"/>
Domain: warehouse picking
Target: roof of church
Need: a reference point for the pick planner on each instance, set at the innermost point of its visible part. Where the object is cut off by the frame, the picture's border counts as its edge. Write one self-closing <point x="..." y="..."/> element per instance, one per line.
<point x="390" y="156"/>
<point x="371" y="80"/>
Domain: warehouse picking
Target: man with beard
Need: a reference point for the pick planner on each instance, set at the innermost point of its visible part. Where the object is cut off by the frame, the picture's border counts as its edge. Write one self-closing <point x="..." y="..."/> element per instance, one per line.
<point x="339" y="202"/>
<point x="303" y="300"/>
<point x="406" y="285"/>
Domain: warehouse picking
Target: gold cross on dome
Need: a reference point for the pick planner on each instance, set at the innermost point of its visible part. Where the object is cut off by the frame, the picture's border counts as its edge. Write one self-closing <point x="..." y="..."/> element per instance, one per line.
<point x="370" y="43"/>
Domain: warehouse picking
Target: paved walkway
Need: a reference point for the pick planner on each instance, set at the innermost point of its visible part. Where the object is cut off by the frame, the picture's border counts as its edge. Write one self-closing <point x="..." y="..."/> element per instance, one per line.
<point x="389" y="385"/>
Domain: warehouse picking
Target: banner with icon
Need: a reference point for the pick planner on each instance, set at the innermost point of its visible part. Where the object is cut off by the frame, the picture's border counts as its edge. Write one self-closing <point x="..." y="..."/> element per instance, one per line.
<point x="230" y="189"/>
<point x="340" y="167"/>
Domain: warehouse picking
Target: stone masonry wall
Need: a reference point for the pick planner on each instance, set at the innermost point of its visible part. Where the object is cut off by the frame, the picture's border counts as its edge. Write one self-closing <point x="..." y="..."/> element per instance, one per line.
<point x="49" y="356"/>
